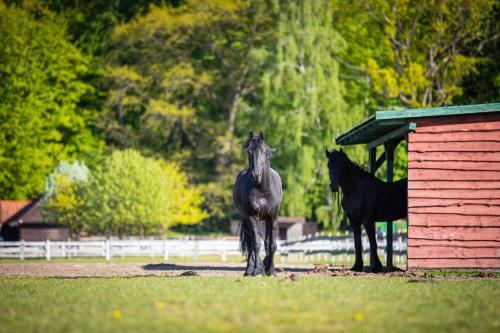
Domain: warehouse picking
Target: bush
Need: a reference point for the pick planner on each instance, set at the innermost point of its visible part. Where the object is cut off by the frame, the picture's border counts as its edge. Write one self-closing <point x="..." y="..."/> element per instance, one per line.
<point x="127" y="194"/>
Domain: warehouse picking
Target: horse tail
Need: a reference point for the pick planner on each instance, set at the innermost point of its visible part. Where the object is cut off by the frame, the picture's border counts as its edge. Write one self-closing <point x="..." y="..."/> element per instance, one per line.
<point x="246" y="237"/>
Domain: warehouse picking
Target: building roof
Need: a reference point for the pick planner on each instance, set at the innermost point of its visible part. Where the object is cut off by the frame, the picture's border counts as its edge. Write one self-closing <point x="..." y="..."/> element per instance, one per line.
<point x="12" y="211"/>
<point x="291" y="219"/>
<point x="383" y="123"/>
<point x="9" y="208"/>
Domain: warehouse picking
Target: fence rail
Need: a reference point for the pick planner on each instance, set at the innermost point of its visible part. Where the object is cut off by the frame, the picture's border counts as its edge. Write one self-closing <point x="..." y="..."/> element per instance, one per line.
<point x="320" y="246"/>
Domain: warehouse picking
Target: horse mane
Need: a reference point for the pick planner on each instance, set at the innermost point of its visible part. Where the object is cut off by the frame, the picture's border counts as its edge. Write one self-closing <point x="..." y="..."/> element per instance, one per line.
<point x="353" y="165"/>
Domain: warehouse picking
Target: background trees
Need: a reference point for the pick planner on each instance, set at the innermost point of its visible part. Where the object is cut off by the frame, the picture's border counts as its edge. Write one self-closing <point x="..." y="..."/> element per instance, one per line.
<point x="183" y="81"/>
<point x="426" y="48"/>
<point x="41" y="86"/>
<point x="302" y="105"/>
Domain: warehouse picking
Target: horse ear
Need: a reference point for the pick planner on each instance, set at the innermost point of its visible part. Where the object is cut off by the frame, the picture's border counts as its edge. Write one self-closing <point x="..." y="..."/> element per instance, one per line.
<point x="250" y="135"/>
<point x="327" y="153"/>
<point x="261" y="135"/>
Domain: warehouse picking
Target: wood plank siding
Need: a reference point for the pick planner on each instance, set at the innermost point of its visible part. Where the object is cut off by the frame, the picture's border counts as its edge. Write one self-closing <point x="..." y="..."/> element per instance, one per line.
<point x="454" y="192"/>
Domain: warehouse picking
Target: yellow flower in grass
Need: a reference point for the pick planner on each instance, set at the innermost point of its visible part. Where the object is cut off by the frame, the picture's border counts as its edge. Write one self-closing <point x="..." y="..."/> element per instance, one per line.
<point x="159" y="305"/>
<point x="358" y="316"/>
<point x="117" y="314"/>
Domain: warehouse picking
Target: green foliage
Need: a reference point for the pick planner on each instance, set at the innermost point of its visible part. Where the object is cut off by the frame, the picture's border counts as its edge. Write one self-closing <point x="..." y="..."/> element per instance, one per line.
<point x="127" y="194"/>
<point x="428" y="49"/>
<point x="40" y="88"/>
<point x="177" y="78"/>
<point x="184" y="81"/>
<point x="62" y="203"/>
<point x="303" y="107"/>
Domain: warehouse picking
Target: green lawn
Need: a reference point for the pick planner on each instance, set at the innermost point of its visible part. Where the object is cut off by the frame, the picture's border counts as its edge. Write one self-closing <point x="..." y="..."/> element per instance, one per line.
<point x="225" y="304"/>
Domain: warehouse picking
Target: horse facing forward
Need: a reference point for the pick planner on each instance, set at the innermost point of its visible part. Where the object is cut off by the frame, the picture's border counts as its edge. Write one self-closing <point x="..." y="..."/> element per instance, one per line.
<point x="257" y="196"/>
<point x="365" y="200"/>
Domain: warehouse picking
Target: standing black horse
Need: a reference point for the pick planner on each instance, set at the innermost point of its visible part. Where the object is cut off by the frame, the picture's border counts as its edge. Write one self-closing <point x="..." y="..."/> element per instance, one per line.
<point x="365" y="200"/>
<point x="257" y="196"/>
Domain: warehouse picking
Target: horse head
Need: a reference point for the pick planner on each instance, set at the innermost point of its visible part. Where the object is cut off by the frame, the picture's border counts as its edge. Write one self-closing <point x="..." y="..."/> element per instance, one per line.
<point x="334" y="167"/>
<point x="258" y="156"/>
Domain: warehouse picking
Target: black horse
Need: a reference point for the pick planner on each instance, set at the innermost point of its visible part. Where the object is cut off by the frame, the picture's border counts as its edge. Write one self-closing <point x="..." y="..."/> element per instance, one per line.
<point x="257" y="196"/>
<point x="365" y="200"/>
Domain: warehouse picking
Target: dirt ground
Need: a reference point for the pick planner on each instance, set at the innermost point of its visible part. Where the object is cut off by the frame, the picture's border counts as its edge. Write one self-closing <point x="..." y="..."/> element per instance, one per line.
<point x="198" y="269"/>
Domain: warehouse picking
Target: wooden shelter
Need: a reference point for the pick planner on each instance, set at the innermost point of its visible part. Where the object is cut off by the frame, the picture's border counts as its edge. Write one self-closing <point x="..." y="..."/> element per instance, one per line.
<point x="453" y="180"/>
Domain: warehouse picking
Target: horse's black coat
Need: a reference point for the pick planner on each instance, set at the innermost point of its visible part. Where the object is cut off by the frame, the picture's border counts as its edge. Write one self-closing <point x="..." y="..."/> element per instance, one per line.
<point x="257" y="196"/>
<point x="365" y="200"/>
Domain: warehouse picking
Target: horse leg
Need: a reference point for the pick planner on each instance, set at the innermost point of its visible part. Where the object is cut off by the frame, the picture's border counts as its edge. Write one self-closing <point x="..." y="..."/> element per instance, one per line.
<point x="246" y="245"/>
<point x="270" y="244"/>
<point x="375" y="264"/>
<point x="358" y="246"/>
<point x="258" y="267"/>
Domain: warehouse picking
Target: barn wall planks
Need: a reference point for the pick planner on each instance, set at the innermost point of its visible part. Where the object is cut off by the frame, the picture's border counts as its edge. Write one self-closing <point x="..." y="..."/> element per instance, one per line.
<point x="454" y="185"/>
<point x="454" y="192"/>
<point x="453" y="220"/>
<point x="461" y="156"/>
<point x="479" y="263"/>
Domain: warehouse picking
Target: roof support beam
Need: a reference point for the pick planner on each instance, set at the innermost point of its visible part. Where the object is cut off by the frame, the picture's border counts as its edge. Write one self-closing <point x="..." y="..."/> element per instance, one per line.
<point x="389" y="147"/>
<point x="396" y="134"/>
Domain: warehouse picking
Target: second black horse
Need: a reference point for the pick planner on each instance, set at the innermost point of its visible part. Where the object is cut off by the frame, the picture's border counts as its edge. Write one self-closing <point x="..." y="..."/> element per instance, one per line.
<point x="366" y="199"/>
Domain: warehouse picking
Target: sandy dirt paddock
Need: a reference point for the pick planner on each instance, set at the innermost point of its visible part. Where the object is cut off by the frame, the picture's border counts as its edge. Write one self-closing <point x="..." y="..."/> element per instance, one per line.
<point x="138" y="269"/>
<point x="56" y="269"/>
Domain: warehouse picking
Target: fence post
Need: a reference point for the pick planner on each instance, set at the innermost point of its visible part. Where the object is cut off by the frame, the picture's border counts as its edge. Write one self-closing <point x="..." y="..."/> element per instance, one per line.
<point x="196" y="251"/>
<point x="70" y="248"/>
<point x="165" y="251"/>
<point x="21" y="253"/>
<point x="400" y="245"/>
<point x="63" y="249"/>
<point x="347" y="247"/>
<point x="385" y="247"/>
<point x="107" y="249"/>
<point x="47" y="249"/>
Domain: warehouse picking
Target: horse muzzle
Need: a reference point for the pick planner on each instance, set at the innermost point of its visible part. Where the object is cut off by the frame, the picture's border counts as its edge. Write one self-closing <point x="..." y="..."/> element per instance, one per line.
<point x="255" y="178"/>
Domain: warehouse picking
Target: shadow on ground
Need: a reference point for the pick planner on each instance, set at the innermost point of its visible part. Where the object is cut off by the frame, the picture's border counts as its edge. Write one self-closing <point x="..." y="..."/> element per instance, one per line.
<point x="188" y="267"/>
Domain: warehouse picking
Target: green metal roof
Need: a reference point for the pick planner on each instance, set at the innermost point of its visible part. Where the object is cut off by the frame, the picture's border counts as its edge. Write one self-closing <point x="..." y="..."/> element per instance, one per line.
<point x="385" y="122"/>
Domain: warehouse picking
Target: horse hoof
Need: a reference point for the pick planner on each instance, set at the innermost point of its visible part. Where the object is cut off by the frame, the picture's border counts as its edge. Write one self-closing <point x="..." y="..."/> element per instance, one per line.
<point x="270" y="273"/>
<point x="376" y="269"/>
<point x="356" y="268"/>
<point x="259" y="271"/>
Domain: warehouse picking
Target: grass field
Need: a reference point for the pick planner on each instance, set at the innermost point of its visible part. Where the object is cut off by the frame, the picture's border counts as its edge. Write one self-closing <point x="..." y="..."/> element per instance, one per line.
<point x="228" y="304"/>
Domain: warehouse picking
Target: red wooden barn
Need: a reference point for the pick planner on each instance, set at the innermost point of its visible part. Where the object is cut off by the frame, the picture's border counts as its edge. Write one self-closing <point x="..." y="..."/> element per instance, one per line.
<point x="453" y="180"/>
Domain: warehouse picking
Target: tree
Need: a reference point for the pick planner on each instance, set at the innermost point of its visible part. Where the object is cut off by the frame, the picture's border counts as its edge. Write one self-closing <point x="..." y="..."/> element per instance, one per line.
<point x="303" y="109"/>
<point x="61" y="201"/>
<point x="198" y="62"/>
<point x="177" y="80"/>
<point x="127" y="194"/>
<point x="41" y="121"/>
<point x="432" y="46"/>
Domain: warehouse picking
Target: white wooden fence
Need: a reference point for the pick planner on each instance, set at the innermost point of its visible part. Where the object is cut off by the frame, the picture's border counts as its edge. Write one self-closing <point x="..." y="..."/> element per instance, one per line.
<point x="325" y="247"/>
<point x="339" y="248"/>
<point x="118" y="248"/>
